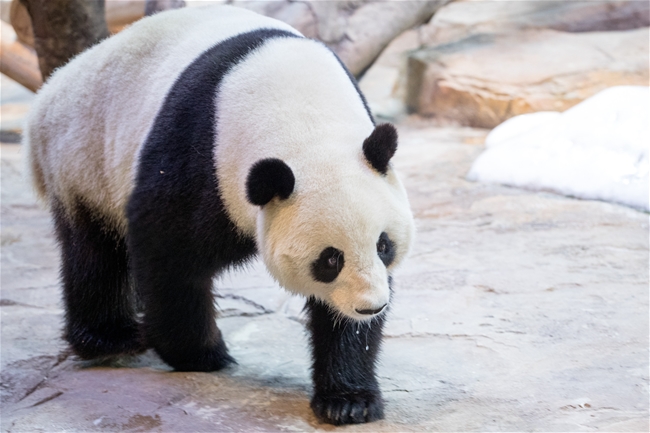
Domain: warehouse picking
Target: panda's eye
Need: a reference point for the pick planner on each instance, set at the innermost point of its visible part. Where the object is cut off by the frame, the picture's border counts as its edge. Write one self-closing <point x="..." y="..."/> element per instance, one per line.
<point x="328" y="265"/>
<point x="385" y="249"/>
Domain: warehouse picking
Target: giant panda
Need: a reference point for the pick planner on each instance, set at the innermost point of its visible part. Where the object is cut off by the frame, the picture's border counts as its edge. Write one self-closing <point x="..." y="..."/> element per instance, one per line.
<point x="192" y="141"/>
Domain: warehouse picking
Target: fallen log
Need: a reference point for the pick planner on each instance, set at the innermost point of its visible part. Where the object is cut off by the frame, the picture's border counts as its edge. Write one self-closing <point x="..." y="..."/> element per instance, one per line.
<point x="357" y="31"/>
<point x="17" y="60"/>
<point x="121" y="13"/>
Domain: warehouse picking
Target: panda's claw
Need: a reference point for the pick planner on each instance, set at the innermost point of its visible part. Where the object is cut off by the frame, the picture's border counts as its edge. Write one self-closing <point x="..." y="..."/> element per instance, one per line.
<point x="348" y="408"/>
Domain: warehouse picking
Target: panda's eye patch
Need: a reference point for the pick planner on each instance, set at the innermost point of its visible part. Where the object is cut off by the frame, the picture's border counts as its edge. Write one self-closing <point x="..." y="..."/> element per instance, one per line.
<point x="385" y="249"/>
<point x="328" y="265"/>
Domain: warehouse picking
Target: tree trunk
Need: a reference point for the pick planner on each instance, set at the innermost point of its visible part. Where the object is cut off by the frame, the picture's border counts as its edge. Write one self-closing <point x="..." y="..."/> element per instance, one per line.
<point x="64" y="28"/>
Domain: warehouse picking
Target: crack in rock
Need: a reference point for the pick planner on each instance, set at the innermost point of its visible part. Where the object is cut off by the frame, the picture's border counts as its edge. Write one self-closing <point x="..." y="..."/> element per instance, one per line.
<point x="262" y="309"/>
<point x="448" y="336"/>
<point x="12" y="303"/>
<point x="49" y="398"/>
<point x="46" y="373"/>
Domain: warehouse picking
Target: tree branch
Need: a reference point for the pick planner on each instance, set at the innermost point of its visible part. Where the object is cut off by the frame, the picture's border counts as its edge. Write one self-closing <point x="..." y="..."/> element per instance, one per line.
<point x="64" y="28"/>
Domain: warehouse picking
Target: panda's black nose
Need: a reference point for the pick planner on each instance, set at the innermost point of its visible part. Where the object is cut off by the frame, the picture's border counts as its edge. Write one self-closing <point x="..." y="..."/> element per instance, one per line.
<point x="370" y="312"/>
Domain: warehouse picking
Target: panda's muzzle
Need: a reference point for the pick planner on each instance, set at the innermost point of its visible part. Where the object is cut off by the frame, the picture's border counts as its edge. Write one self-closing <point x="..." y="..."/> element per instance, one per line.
<point x="370" y="312"/>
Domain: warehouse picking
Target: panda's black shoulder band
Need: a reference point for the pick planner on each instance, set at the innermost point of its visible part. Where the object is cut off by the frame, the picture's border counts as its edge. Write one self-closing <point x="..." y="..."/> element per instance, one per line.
<point x="269" y="178"/>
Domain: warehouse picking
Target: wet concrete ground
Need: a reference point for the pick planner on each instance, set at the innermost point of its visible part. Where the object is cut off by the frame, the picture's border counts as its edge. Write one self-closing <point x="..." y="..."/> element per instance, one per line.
<point x="515" y="311"/>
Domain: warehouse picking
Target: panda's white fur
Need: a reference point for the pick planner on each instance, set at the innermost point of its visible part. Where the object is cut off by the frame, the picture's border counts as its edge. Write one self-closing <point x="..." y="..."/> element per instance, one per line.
<point x="289" y="99"/>
<point x="94" y="114"/>
<point x="339" y="200"/>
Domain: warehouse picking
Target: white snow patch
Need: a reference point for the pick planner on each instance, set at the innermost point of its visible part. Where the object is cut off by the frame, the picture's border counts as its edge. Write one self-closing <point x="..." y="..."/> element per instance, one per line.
<point x="596" y="150"/>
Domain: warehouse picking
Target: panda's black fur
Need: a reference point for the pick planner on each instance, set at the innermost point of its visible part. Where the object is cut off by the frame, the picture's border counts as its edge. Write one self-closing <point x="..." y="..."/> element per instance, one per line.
<point x="180" y="236"/>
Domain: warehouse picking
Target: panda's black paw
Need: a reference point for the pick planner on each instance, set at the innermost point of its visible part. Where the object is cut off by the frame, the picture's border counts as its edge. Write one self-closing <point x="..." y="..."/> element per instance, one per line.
<point x="348" y="408"/>
<point x="208" y="359"/>
<point x="107" y="342"/>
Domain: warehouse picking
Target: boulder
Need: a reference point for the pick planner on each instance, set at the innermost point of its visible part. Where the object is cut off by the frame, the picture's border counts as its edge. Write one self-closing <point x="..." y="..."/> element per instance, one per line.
<point x="484" y="79"/>
<point x="459" y="20"/>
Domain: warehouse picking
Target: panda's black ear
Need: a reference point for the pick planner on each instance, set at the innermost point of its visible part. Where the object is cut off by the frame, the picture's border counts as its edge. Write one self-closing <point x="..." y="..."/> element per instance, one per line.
<point x="380" y="147"/>
<point x="269" y="178"/>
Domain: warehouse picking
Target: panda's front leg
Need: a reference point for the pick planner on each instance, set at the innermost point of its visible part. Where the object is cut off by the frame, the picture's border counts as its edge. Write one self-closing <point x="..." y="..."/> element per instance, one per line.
<point x="180" y="318"/>
<point x="344" y="354"/>
<point x="173" y="263"/>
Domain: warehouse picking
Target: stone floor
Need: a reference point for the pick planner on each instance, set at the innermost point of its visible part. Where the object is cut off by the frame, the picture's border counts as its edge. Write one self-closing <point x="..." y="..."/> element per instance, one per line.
<point x="516" y="311"/>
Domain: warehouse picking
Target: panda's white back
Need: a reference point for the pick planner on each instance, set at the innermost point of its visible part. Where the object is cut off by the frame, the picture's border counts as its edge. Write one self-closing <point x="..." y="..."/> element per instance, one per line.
<point x="291" y="100"/>
<point x="90" y="119"/>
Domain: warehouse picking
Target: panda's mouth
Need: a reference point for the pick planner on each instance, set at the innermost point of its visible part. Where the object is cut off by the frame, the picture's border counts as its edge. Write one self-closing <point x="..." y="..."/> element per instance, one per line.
<point x="370" y="311"/>
<point x="364" y="314"/>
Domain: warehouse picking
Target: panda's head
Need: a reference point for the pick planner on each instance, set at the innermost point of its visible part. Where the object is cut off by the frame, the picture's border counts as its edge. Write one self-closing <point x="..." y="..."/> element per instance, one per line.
<point x="335" y="229"/>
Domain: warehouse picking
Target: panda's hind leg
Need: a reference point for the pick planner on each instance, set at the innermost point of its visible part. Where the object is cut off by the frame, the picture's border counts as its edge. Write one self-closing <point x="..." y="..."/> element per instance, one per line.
<point x="100" y="318"/>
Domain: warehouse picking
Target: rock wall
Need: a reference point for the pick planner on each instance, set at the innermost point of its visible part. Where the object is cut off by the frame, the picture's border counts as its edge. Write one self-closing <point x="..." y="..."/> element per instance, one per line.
<point x="458" y="20"/>
<point x="485" y="79"/>
<point x="481" y="63"/>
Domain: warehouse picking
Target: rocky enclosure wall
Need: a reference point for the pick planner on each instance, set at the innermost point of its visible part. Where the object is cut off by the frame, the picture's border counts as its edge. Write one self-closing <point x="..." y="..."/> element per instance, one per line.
<point x="480" y="63"/>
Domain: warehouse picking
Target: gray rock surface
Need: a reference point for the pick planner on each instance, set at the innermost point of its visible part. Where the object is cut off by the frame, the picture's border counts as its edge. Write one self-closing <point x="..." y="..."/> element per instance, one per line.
<point x="515" y="311"/>
<point x="485" y="79"/>
<point x="461" y="19"/>
<point x="15" y="104"/>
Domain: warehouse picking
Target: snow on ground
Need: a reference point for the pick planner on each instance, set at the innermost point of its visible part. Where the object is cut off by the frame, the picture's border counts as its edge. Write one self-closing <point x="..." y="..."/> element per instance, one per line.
<point x="595" y="150"/>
